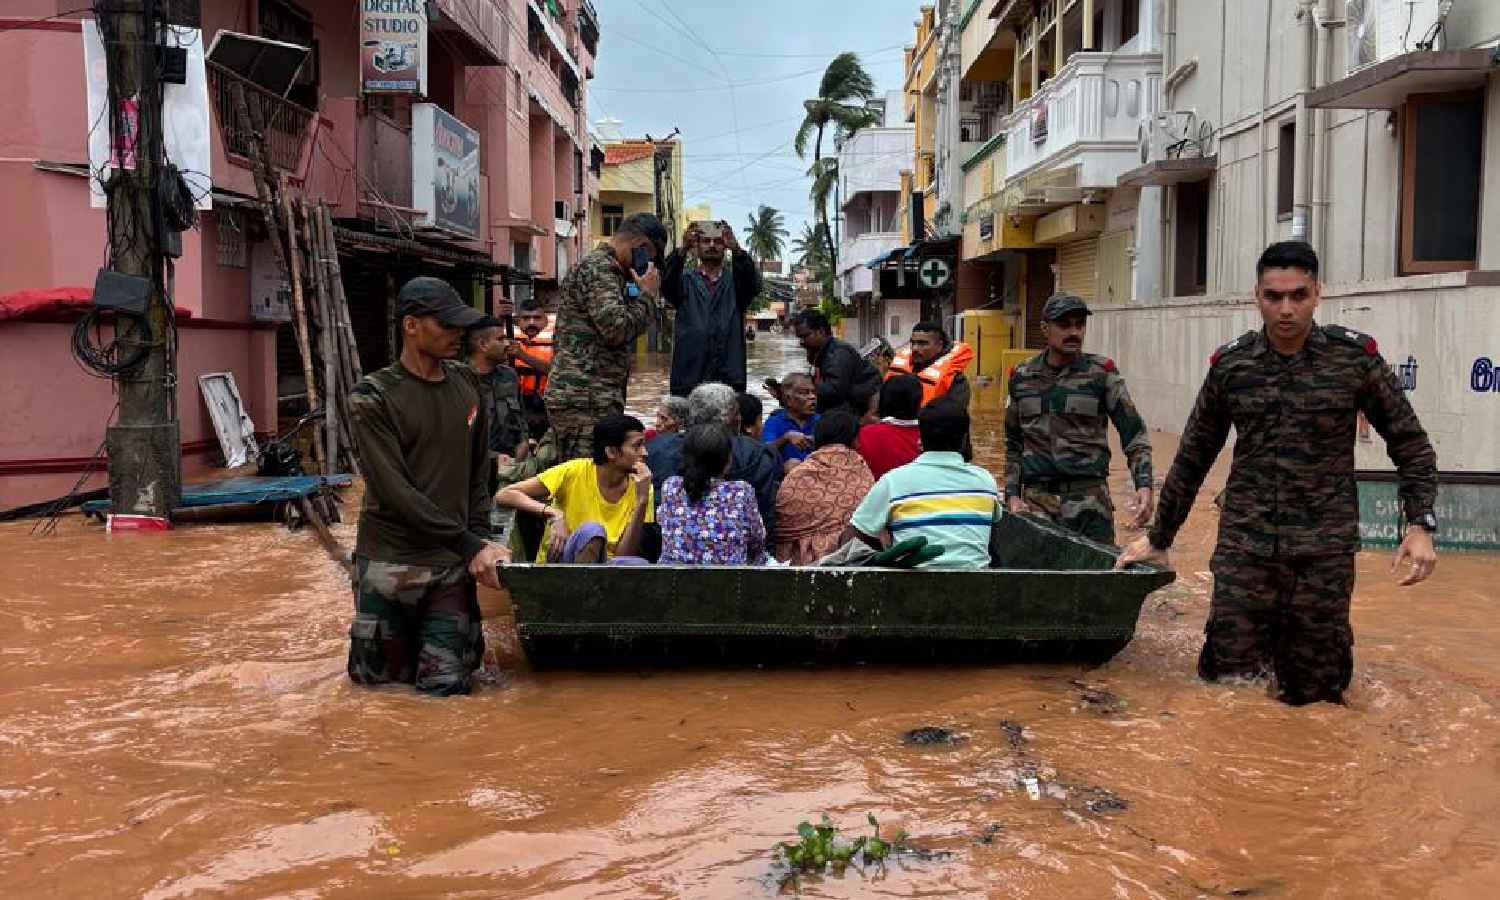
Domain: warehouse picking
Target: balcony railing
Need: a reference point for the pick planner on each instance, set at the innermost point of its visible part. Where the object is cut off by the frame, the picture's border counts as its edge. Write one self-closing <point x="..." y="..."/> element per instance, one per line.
<point x="286" y="123"/>
<point x="1089" y="115"/>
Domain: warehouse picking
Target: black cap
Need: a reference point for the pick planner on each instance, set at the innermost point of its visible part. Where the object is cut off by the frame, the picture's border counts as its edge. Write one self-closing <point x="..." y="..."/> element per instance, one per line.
<point x="1062" y="303"/>
<point x="426" y="296"/>
<point x="486" y="322"/>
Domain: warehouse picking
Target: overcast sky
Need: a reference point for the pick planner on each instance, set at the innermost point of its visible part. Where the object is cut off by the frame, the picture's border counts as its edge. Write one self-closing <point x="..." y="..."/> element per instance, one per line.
<point x="732" y="74"/>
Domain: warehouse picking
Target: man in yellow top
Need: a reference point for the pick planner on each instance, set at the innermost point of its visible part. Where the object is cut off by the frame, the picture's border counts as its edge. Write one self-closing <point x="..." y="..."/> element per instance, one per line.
<point x="937" y="362"/>
<point x="596" y="508"/>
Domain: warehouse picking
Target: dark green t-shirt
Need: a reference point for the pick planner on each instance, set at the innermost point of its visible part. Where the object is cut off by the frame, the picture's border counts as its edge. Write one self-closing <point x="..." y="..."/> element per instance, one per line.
<point x="424" y="454"/>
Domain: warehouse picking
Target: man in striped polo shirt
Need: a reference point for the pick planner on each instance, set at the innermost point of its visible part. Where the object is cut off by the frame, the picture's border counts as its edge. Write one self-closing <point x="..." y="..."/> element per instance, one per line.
<point x="937" y="496"/>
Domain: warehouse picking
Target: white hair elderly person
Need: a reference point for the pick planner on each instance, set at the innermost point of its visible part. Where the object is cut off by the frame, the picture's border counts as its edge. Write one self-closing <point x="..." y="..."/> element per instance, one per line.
<point x="751" y="461"/>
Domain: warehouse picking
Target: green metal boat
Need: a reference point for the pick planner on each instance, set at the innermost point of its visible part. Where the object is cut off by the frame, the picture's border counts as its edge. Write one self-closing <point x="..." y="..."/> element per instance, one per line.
<point x="1051" y="595"/>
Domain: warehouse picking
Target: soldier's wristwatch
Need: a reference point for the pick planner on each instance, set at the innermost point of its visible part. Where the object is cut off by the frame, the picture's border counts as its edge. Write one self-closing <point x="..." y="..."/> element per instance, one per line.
<point x="1427" y="522"/>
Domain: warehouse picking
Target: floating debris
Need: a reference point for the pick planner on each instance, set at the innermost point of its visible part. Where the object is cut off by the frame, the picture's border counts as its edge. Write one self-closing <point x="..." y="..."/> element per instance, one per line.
<point x="988" y="835"/>
<point x="931" y="734"/>
<point x="1099" y="699"/>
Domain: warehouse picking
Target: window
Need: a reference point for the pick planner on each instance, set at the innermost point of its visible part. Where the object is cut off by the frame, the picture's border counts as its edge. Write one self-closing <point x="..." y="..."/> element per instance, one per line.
<point x="1130" y="20"/>
<point x="895" y="325"/>
<point x="1286" y="169"/>
<point x="229" y="234"/>
<point x="1441" y="157"/>
<point x="1190" y="274"/>
<point x="282" y="21"/>
<point x="614" y="214"/>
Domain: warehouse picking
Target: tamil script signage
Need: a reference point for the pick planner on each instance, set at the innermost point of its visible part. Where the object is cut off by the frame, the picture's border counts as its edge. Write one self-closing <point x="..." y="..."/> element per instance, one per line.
<point x="393" y="46"/>
<point x="1468" y="514"/>
<point x="445" y="171"/>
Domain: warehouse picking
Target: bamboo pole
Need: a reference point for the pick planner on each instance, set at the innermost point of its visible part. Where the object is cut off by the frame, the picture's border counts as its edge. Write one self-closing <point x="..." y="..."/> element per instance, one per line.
<point x="334" y="412"/>
<point x="340" y="298"/>
<point x="299" y="322"/>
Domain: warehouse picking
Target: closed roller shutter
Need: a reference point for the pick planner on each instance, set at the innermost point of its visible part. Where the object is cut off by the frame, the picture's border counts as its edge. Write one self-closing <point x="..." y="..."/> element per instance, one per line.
<point x="1078" y="268"/>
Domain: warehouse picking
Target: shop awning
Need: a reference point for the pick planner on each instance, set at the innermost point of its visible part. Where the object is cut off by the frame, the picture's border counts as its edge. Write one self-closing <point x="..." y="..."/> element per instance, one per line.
<point x="894" y="254"/>
<point x="1171" y="171"/>
<point x="1386" y="85"/>
<point x="273" y="65"/>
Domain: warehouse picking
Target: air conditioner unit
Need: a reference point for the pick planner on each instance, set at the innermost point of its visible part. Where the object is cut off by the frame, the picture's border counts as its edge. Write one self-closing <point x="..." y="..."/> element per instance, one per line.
<point x="1380" y="29"/>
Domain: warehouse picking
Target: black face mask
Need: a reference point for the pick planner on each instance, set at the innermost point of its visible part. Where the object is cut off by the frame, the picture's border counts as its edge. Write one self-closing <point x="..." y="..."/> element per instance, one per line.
<point x="640" y="260"/>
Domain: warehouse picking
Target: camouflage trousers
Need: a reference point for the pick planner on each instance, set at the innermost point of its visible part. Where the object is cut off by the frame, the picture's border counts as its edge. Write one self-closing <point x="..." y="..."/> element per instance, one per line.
<point x="1084" y="507"/>
<point x="417" y="625"/>
<point x="1283" y="617"/>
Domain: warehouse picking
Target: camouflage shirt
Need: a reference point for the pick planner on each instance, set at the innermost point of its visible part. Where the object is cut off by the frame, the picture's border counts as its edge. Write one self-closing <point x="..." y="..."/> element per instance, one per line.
<point x="597" y="324"/>
<point x="1291" y="488"/>
<point x="1056" y="423"/>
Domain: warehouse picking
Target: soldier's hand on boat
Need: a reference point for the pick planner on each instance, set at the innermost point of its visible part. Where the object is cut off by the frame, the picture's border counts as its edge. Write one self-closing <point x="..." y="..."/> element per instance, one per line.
<point x="1017" y="505"/>
<point x="649" y="283"/>
<point x="1418" y="552"/>
<point x="482" y="566"/>
<point x="1140" y="550"/>
<point x="1145" y="504"/>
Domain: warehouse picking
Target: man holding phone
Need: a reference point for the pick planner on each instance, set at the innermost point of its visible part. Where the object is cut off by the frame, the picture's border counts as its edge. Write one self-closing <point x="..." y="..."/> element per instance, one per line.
<point x="710" y="298"/>
<point x="605" y="305"/>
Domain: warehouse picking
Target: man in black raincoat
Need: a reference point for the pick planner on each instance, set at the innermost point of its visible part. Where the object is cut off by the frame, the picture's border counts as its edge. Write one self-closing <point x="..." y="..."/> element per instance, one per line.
<point x="710" y="298"/>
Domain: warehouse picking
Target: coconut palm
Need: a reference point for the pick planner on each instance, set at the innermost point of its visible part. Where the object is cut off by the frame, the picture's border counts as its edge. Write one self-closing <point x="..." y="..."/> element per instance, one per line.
<point x="840" y="104"/>
<point x="810" y="248"/>
<point x="765" y="234"/>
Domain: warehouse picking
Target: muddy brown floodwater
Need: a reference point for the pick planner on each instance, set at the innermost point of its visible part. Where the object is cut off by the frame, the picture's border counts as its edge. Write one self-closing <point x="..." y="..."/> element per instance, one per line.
<point x="176" y="722"/>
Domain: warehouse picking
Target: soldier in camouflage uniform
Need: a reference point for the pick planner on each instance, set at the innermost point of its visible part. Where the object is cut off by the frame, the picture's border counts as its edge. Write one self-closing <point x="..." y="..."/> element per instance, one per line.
<point x="1056" y="430"/>
<point x="606" y="302"/>
<point x="1284" y="565"/>
<point x="422" y="432"/>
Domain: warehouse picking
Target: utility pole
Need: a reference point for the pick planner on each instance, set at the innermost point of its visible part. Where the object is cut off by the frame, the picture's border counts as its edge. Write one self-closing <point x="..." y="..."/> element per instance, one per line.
<point x="144" y="446"/>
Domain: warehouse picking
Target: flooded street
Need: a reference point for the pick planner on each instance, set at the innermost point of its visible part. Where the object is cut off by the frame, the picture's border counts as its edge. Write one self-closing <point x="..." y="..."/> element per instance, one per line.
<point x="175" y="722"/>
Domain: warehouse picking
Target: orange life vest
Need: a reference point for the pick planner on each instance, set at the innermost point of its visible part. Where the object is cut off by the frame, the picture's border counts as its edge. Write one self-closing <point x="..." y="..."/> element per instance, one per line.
<point x="532" y="381"/>
<point x="938" y="377"/>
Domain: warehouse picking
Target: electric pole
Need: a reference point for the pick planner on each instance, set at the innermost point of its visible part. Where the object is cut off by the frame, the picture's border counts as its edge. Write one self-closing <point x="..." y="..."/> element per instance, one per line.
<point x="144" y="446"/>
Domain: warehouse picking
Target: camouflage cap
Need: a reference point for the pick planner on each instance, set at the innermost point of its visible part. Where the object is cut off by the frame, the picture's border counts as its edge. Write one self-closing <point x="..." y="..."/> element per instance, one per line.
<point x="1062" y="303"/>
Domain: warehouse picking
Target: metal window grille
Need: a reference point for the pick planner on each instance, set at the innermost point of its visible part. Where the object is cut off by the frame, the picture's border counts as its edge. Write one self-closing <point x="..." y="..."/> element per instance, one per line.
<point x="230" y="244"/>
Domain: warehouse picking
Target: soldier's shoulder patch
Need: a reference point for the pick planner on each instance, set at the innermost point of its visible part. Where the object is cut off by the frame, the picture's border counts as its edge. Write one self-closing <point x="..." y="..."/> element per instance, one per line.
<point x="1350" y="336"/>
<point x="1233" y="346"/>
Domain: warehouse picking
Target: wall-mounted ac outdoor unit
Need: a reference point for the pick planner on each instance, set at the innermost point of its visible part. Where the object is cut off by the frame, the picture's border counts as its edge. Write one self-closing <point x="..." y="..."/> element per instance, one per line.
<point x="1377" y="30"/>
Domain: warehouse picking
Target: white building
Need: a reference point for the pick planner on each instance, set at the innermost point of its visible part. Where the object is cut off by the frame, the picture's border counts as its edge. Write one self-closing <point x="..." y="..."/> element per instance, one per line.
<point x="870" y="166"/>
<point x="1369" y="128"/>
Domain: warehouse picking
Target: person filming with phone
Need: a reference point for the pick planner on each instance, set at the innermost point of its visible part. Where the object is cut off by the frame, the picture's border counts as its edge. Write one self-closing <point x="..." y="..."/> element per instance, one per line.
<point x="710" y="298"/>
<point x="605" y="304"/>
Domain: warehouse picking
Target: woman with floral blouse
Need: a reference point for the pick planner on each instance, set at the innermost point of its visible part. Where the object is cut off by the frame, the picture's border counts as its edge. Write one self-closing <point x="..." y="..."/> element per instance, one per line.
<point x="705" y="520"/>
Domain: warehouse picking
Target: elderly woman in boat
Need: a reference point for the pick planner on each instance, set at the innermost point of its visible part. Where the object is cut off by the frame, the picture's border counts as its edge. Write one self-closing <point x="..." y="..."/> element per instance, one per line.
<point x="819" y="496"/>
<point x="706" y="519"/>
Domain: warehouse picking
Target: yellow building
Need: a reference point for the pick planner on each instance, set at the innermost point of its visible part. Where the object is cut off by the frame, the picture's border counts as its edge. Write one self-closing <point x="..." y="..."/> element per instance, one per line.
<point x="640" y="176"/>
<point x="920" y="64"/>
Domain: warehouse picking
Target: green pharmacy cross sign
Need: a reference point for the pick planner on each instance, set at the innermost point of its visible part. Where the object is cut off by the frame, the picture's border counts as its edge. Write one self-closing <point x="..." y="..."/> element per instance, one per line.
<point x="934" y="273"/>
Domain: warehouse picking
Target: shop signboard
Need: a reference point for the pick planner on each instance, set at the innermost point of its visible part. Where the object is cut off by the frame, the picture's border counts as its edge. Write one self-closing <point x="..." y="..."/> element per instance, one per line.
<point x="445" y="171"/>
<point x="393" y="46"/>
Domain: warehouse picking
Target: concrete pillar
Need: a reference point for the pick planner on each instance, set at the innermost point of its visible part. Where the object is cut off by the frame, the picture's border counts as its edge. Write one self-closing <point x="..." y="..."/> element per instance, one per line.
<point x="1059" y="52"/>
<point x="1088" y="25"/>
<point x="1149" y="259"/>
<point x="1036" y="54"/>
<point x="541" y="176"/>
<point x="1015" y="78"/>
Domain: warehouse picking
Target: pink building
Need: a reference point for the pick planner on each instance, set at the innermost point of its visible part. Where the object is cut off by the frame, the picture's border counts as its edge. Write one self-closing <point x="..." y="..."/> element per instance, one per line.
<point x="514" y="71"/>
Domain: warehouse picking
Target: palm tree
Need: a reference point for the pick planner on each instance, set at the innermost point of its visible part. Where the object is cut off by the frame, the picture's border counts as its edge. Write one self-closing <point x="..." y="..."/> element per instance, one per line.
<point x="840" y="103"/>
<point x="765" y="234"/>
<point x="810" y="247"/>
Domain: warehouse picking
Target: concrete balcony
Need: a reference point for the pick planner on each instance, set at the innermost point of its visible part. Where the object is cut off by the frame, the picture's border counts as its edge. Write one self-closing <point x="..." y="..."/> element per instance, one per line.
<point x="855" y="252"/>
<point x="1086" y="118"/>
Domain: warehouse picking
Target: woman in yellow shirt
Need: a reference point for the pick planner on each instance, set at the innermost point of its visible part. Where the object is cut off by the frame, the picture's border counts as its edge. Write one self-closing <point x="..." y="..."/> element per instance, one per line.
<point x="596" y="509"/>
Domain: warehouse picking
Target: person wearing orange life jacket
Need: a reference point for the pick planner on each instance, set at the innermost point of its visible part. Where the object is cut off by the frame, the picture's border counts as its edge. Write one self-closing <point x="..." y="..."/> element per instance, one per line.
<point x="533" y="348"/>
<point x="937" y="362"/>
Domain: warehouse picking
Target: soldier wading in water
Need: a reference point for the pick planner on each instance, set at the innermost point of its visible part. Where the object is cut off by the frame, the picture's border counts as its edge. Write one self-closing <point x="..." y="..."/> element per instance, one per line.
<point x="1284" y="564"/>
<point x="1056" y="430"/>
